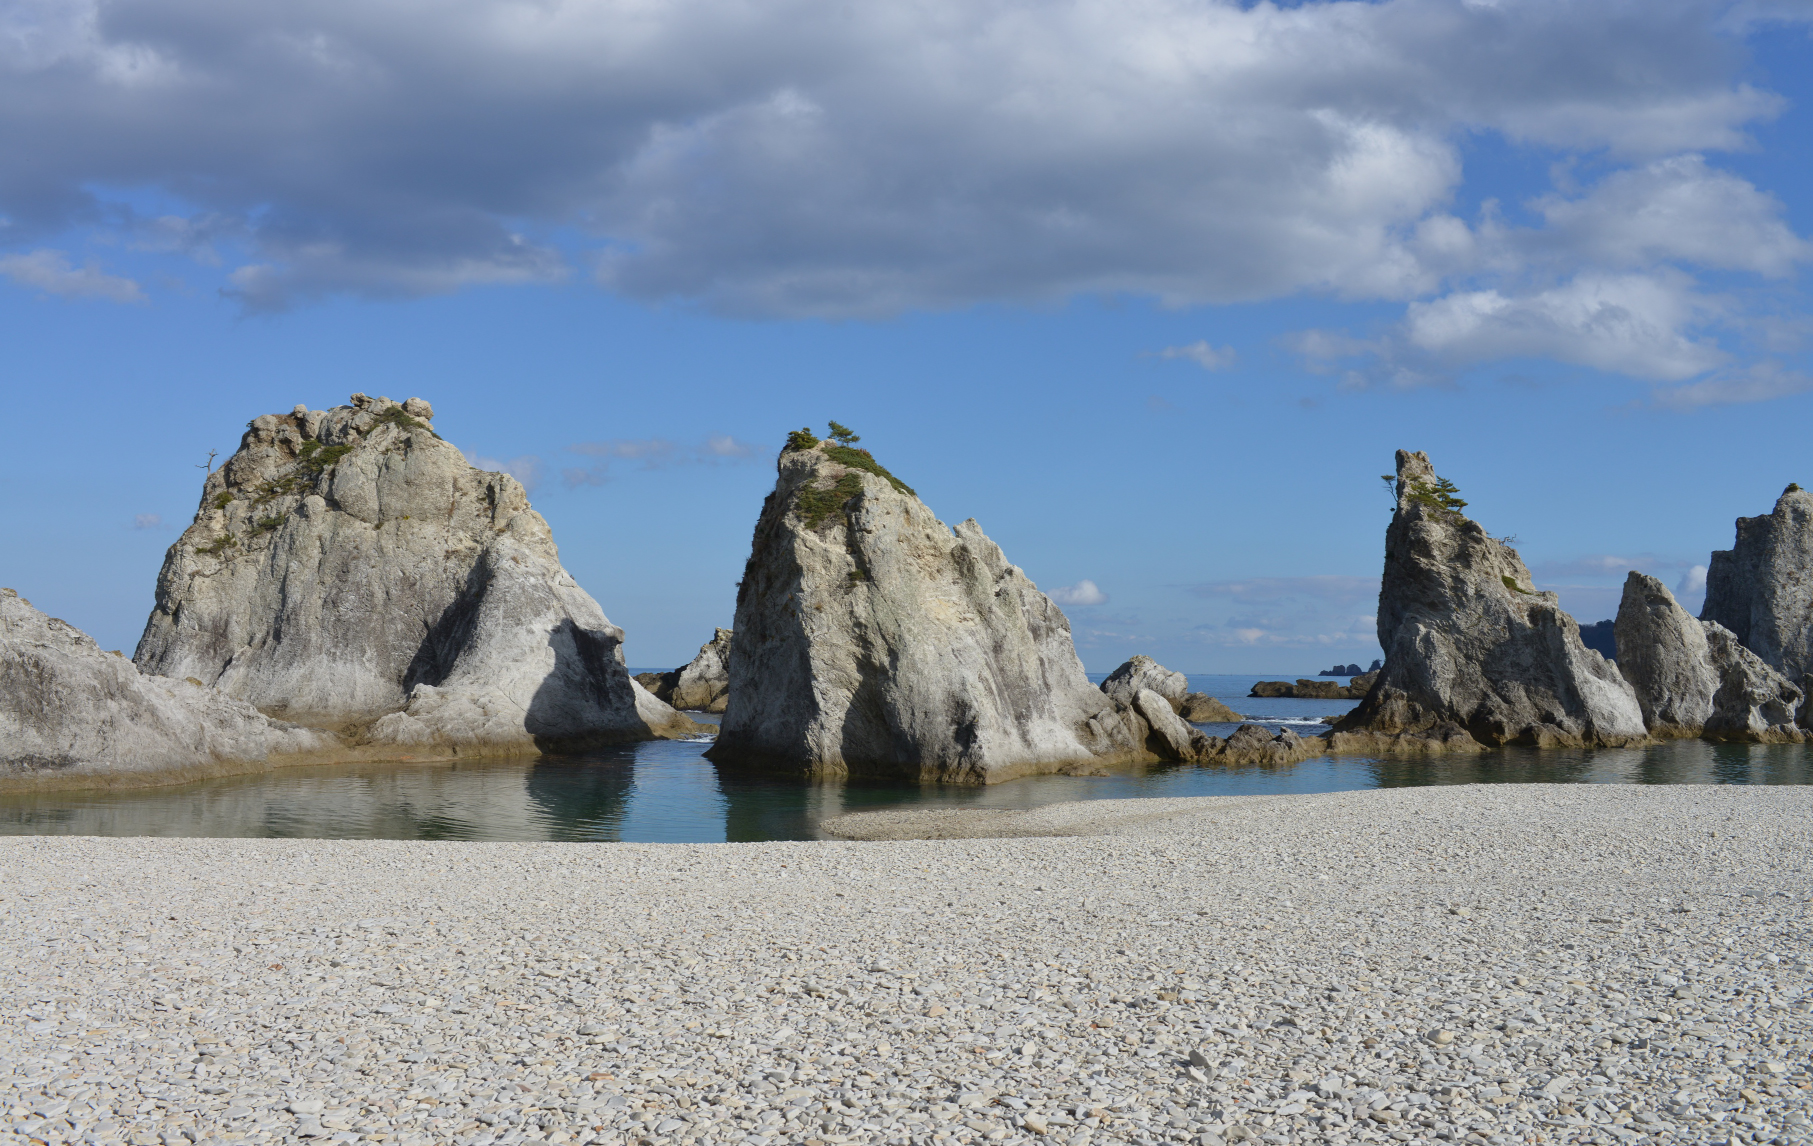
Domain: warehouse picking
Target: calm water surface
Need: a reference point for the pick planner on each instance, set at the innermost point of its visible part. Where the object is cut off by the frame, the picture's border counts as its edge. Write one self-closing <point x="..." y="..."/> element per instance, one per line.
<point x="666" y="791"/>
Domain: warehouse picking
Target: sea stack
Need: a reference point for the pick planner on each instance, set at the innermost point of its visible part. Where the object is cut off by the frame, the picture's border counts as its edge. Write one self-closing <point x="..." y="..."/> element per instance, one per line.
<point x="349" y="570"/>
<point x="72" y="714"/>
<point x="1474" y="655"/>
<point x="1762" y="587"/>
<point x="700" y="685"/>
<point x="1693" y="678"/>
<point x="873" y="640"/>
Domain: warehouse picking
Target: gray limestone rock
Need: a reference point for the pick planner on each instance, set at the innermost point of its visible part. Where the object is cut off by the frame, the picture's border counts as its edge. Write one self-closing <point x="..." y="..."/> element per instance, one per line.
<point x="69" y="710"/>
<point x="1469" y="644"/>
<point x="872" y="639"/>
<point x="1255" y="744"/>
<point x="1142" y="672"/>
<point x="702" y="684"/>
<point x="1761" y="589"/>
<point x="1693" y="678"/>
<point x="350" y="570"/>
<point x="1665" y="657"/>
<point x="1169" y="737"/>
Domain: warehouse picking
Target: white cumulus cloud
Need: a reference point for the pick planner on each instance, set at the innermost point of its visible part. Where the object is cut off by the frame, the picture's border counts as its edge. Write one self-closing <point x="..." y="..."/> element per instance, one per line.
<point x="1200" y="352"/>
<point x="51" y="272"/>
<point x="526" y="468"/>
<point x="1083" y="592"/>
<point x="806" y="157"/>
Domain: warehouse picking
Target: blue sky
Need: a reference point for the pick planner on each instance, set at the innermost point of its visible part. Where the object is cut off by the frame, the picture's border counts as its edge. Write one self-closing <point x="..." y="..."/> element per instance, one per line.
<point x="1152" y="290"/>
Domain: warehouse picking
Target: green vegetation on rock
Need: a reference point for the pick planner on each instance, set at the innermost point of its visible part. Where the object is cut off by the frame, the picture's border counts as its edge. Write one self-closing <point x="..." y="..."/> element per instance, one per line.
<point x="396" y="416"/>
<point x="221" y="545"/>
<point x="800" y="439"/>
<point x="816" y="504"/>
<point x="222" y="500"/>
<point x="1512" y="585"/>
<point x="1442" y="496"/>
<point x="858" y="459"/>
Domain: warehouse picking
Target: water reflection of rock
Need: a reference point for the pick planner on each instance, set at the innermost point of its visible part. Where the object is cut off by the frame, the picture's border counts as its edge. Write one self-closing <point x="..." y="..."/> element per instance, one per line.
<point x="470" y="800"/>
<point x="1675" y="762"/>
<point x="583" y="797"/>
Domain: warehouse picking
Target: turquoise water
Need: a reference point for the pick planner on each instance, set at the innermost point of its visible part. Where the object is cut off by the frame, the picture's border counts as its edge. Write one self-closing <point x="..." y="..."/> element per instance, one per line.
<point x="666" y="790"/>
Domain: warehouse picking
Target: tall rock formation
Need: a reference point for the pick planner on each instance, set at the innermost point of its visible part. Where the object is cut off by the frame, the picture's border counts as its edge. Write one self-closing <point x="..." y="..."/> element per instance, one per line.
<point x="350" y="570"/>
<point x="70" y="713"/>
<point x="872" y="639"/>
<point x="700" y="685"/>
<point x="1693" y="678"/>
<point x="1473" y="655"/>
<point x="1761" y="589"/>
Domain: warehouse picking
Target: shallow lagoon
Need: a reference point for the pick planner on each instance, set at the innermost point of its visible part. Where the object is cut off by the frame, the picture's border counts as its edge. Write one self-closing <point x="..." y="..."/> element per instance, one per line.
<point x="666" y="791"/>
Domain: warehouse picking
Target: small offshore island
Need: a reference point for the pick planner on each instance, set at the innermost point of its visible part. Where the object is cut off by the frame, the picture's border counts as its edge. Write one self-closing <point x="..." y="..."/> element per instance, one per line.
<point x="1480" y="964"/>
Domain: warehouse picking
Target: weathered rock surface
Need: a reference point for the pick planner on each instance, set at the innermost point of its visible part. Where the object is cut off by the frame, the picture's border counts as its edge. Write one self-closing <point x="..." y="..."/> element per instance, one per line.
<point x="871" y="639"/>
<point x="1693" y="678"/>
<point x="700" y="685"/>
<point x="1256" y="744"/>
<point x="350" y="570"/>
<point x="1142" y="672"/>
<point x="1761" y="589"/>
<point x="1469" y="645"/>
<point x="69" y="710"/>
<point x="1307" y="689"/>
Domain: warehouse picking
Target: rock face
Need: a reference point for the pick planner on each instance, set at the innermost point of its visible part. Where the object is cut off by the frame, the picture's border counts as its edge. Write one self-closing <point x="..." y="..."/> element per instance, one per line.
<point x="69" y="710"/>
<point x="702" y="685"/>
<point x="1761" y="589"/>
<point x="872" y="639"/>
<point x="349" y="570"/>
<point x="1341" y="670"/>
<point x="1693" y="678"/>
<point x="1142" y="672"/>
<point x="1472" y="653"/>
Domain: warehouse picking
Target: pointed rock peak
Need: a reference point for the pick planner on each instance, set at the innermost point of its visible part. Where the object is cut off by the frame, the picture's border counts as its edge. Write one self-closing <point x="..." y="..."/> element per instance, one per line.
<point x="1474" y="655"/>
<point x="1761" y="589"/>
<point x="348" y="569"/>
<point x="873" y="640"/>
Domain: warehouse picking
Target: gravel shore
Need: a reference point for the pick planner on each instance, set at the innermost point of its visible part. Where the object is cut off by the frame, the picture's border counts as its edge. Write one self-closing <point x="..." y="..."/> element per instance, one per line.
<point x="1480" y="964"/>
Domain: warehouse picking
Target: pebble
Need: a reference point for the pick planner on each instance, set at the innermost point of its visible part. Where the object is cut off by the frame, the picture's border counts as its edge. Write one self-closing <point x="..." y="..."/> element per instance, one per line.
<point x="1244" y="970"/>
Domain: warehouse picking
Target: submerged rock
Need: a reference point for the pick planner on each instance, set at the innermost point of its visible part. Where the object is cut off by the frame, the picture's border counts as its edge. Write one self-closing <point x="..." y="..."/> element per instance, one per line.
<point x="1142" y="672"/>
<point x="700" y="685"/>
<point x="1761" y="589"/>
<point x="1693" y="678"/>
<point x="350" y="570"/>
<point x="69" y="711"/>
<point x="1470" y="646"/>
<point x="872" y="639"/>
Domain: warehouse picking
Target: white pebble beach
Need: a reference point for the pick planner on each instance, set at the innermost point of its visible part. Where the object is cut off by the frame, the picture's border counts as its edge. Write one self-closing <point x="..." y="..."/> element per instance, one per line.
<point x="1497" y="964"/>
